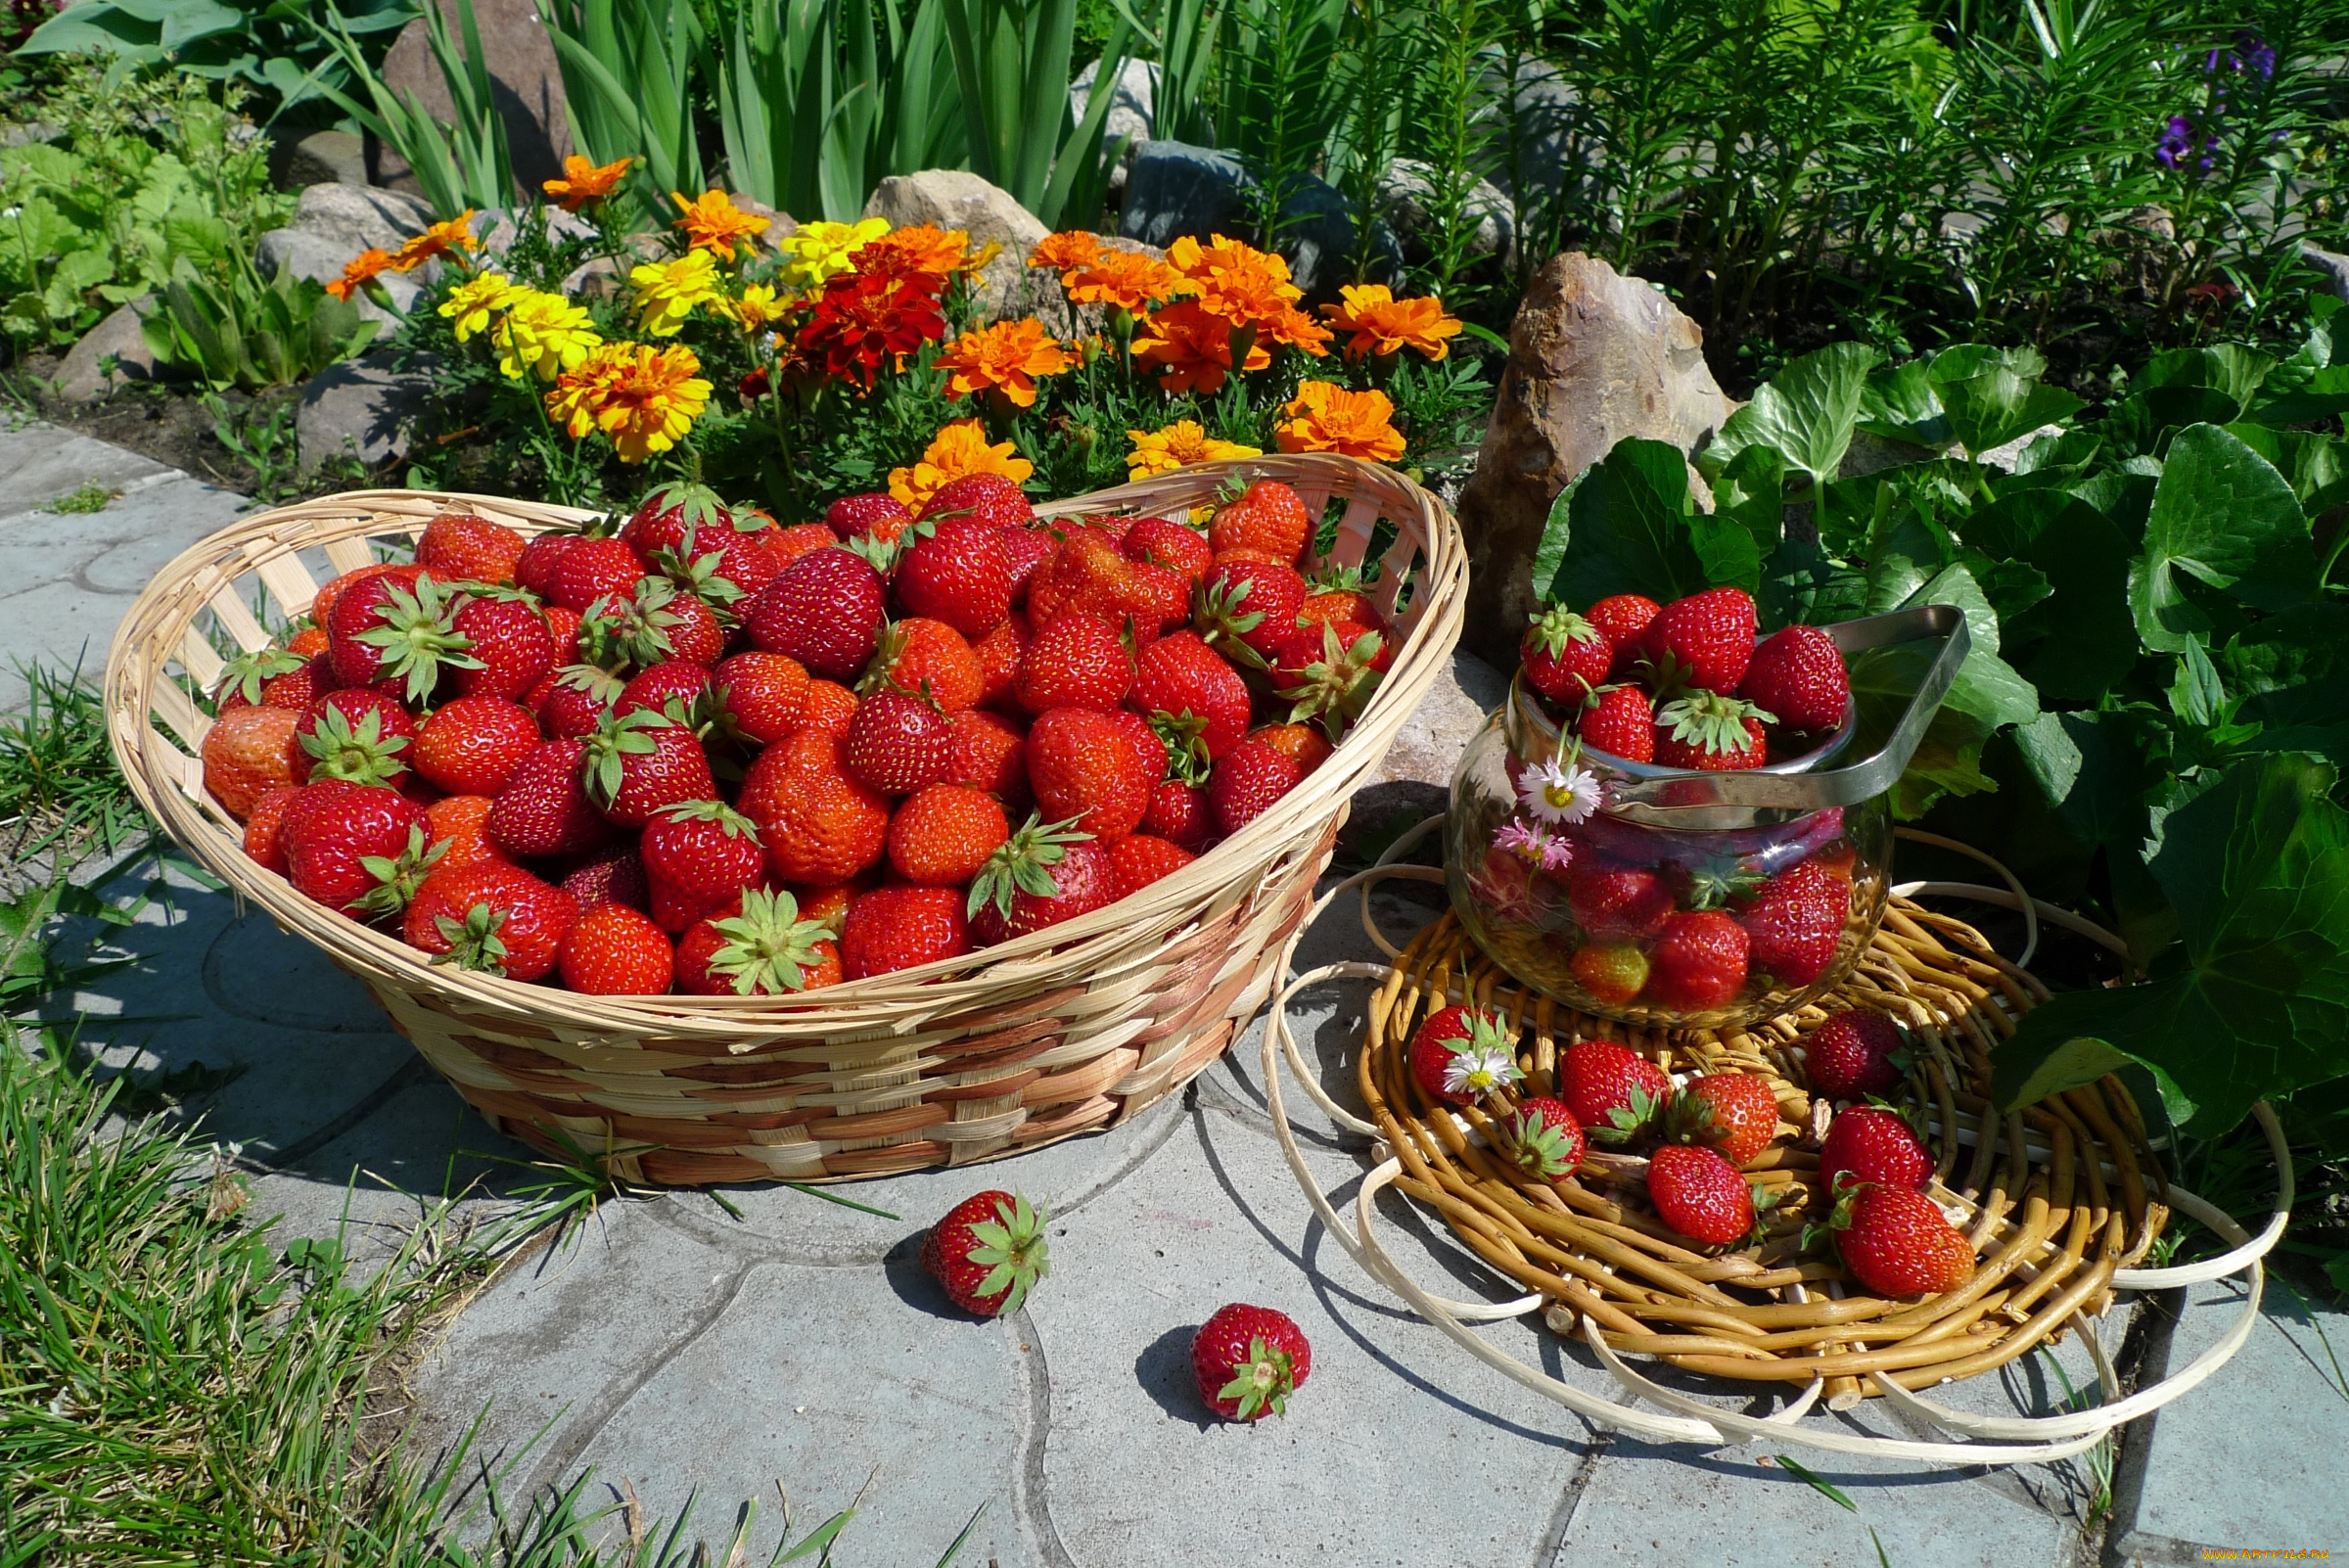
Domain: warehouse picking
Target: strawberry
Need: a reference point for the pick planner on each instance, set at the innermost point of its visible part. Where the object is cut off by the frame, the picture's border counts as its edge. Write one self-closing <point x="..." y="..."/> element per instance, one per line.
<point x="355" y="847"/>
<point x="1614" y="903"/>
<point x="1251" y="778"/>
<point x="579" y="701"/>
<point x="458" y="826"/>
<point x="1247" y="1361"/>
<point x="253" y="677"/>
<point x="1336" y="593"/>
<point x="652" y="623"/>
<point x="1196" y="702"/>
<point x="1700" y="1194"/>
<point x="1698" y="961"/>
<point x="1545" y="1139"/>
<point x="1798" y="674"/>
<point x="1566" y="658"/>
<point x="960" y="575"/>
<point x="990" y="754"/>
<point x="878" y="515"/>
<point x="1614" y="973"/>
<point x="1086" y="574"/>
<point x="1181" y="813"/>
<point x="1046" y="873"/>
<point x="944" y="833"/>
<point x="355" y="734"/>
<point x="306" y="641"/>
<point x="699" y="856"/>
<point x="1854" y="1053"/>
<point x="636" y="763"/>
<point x="563" y="625"/>
<point x="323" y="602"/>
<point x="1029" y="549"/>
<point x="1085" y="768"/>
<point x="1734" y="1113"/>
<point x="544" y="809"/>
<point x="1138" y="859"/>
<point x="1458" y="1055"/>
<point x="472" y="745"/>
<point x="1794" y="923"/>
<point x="989" y="1252"/>
<point x="397" y="635"/>
<point x="460" y="547"/>
<point x="828" y="905"/>
<point x="989" y="497"/>
<point x="896" y="744"/>
<point x="1176" y="547"/>
<point x="1308" y="746"/>
<point x="1079" y="660"/>
<point x="1266" y="516"/>
<point x="1157" y="601"/>
<point x="998" y="654"/>
<point x="927" y="659"/>
<point x="616" y="876"/>
<point x="1247" y="605"/>
<point x="1705" y="640"/>
<point x="830" y="706"/>
<point x="786" y="545"/>
<point x="1899" y="1244"/>
<point x="247" y="753"/>
<point x="592" y="570"/>
<point x="764" y="946"/>
<point x="1620" y="619"/>
<point x="824" y="610"/>
<point x="672" y="687"/>
<point x="720" y="566"/>
<point x="667" y="518"/>
<point x="509" y="638"/>
<point x="1329" y="672"/>
<point x="900" y="927"/>
<point x="541" y="557"/>
<point x="612" y="951"/>
<point x="1870" y="1144"/>
<point x="1710" y="733"/>
<point x="498" y="919"/>
<point x="762" y="696"/>
<point x="818" y="824"/>
<point x="1619" y="721"/>
<point x="263" y="825"/>
<point x="1612" y="1090"/>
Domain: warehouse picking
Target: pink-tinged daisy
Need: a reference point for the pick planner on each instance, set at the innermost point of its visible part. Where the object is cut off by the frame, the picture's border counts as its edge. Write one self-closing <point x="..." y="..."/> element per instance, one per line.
<point x="1534" y="845"/>
<point x="1560" y="791"/>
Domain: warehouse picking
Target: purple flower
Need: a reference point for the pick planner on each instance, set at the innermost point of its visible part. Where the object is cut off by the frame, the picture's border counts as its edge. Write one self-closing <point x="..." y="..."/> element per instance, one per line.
<point x="2254" y="54"/>
<point x="2176" y="142"/>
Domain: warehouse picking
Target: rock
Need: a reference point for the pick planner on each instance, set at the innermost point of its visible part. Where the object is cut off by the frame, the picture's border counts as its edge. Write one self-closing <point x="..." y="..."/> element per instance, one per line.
<point x="79" y="376"/>
<point x="780" y="225"/>
<point x="361" y="408"/>
<point x="311" y="254"/>
<point x="952" y="199"/>
<point x="359" y="218"/>
<point x="1414" y="778"/>
<point x="2330" y="265"/>
<point x="497" y="228"/>
<point x="1132" y="109"/>
<point x="322" y="157"/>
<point x="524" y="83"/>
<point x="1547" y="156"/>
<point x="1593" y="357"/>
<point x="26" y="132"/>
<point x="1177" y="188"/>
<point x="1406" y="198"/>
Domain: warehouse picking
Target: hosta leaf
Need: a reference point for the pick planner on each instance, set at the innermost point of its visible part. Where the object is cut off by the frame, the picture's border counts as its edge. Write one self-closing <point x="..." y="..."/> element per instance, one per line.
<point x="1624" y="525"/>
<point x="1806" y="412"/>
<point x="2224" y="517"/>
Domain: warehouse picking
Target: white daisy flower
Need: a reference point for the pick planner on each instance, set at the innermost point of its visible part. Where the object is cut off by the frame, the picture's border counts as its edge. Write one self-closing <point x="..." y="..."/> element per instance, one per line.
<point x="1479" y="1066"/>
<point x="1560" y="791"/>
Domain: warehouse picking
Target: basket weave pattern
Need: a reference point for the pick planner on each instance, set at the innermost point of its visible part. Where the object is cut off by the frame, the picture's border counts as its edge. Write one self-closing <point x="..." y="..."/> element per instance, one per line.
<point x="1062" y="1031"/>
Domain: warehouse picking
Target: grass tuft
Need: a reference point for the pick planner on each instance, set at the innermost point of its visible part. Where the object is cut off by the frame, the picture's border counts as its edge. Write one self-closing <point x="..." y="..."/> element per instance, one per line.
<point x="58" y="787"/>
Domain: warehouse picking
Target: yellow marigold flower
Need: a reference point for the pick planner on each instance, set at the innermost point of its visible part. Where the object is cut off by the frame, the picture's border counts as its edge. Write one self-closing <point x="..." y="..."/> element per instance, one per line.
<point x="960" y="449"/>
<point x="1185" y="441"/>
<point x="1005" y="357"/>
<point x="1193" y="348"/>
<point x="1064" y="251"/>
<point x="822" y="250"/>
<point x="584" y="181"/>
<point x="439" y="240"/>
<point x="667" y="292"/>
<point x="713" y="222"/>
<point x="916" y="248"/>
<point x="471" y="303"/>
<point x="359" y="271"/>
<point x="1324" y="417"/>
<point x="644" y="399"/>
<point x="1382" y="324"/>
<point x="1124" y="279"/>
<point x="756" y="308"/>
<point x="545" y="334"/>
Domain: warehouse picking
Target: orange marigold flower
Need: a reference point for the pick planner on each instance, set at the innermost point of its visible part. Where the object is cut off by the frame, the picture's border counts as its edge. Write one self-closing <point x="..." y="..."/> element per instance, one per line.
<point x="584" y="181"/>
<point x="644" y="399"/>
<point x="959" y="449"/>
<point x="1293" y="327"/>
<point x="439" y="240"/>
<point x="359" y="271"/>
<point x="1324" y="417"/>
<point x="1124" y="279"/>
<point x="713" y="222"/>
<point x="1238" y="282"/>
<point x="920" y="247"/>
<point x="1383" y="325"/>
<point x="1064" y="251"/>
<point x="1193" y="348"/>
<point x="860" y="321"/>
<point x="1005" y="357"/>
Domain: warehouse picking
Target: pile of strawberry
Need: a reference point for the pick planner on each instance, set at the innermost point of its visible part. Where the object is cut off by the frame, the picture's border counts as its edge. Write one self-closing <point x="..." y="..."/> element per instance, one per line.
<point x="1687" y="1146"/>
<point x="706" y="752"/>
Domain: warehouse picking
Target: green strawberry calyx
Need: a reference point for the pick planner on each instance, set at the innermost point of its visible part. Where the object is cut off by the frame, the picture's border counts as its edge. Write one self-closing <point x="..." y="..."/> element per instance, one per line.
<point x="1541" y="1148"/>
<point x="1263" y="1381"/>
<point x="474" y="942"/>
<point x="397" y="877"/>
<point x="697" y="575"/>
<point x="1021" y="863"/>
<point x="1011" y="1249"/>
<point x="246" y="671"/>
<point x="1335" y="689"/>
<point x="1185" y="737"/>
<point x="1220" y="611"/>
<point x="734" y="824"/>
<point x="634" y="631"/>
<point x="696" y="504"/>
<point x="769" y="948"/>
<point x="416" y="637"/>
<point x="1554" y="627"/>
<point x="360" y="754"/>
<point x="1626" y="1121"/>
<point x="618" y="738"/>
<point x="1486" y="1060"/>
<point x="1711" y="723"/>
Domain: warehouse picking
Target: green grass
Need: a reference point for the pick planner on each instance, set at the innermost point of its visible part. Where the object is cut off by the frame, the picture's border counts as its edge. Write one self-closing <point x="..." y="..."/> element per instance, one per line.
<point x="58" y="786"/>
<point x="91" y="497"/>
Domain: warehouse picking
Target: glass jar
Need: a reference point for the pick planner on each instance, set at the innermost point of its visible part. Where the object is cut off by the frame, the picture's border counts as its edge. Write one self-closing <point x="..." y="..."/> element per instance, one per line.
<point x="1691" y="900"/>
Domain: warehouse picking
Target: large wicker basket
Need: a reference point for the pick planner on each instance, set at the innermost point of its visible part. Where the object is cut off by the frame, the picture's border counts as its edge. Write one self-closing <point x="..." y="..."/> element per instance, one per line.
<point x="1063" y="1032"/>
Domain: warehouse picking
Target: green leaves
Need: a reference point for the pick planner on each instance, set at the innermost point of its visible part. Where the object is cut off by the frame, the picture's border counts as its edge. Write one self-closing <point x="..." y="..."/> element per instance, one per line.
<point x="2257" y="1001"/>
<point x="1626" y="525"/>
<point x="2224" y="519"/>
<point x="1991" y="395"/>
<point x="1806" y="413"/>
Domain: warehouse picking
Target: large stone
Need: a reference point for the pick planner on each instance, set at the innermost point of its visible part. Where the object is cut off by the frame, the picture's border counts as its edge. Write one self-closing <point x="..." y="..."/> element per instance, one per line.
<point x="1407" y="201"/>
<point x="361" y="408"/>
<point x="498" y="227"/>
<point x="360" y="217"/>
<point x="1594" y="357"/>
<point x="952" y="199"/>
<point x="322" y="157"/>
<point x="1414" y="780"/>
<point x="524" y="83"/>
<point x="1543" y="155"/>
<point x="109" y="354"/>
<point x="309" y="253"/>
<point x="1177" y="188"/>
<point x="1133" y="111"/>
<point x="2330" y="265"/>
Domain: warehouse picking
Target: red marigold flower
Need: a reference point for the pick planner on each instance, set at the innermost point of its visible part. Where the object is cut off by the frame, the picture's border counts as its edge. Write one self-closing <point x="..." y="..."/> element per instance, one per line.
<point x="861" y="321"/>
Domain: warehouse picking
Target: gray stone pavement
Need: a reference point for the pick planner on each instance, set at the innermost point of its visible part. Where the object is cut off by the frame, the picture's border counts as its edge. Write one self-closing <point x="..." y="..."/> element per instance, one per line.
<point x="693" y="1355"/>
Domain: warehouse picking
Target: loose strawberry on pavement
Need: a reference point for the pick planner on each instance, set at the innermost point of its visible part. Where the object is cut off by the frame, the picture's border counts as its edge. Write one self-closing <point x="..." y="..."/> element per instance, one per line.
<point x="1621" y="722"/>
<point x="898" y="744"/>
<point x="1079" y="660"/>
<point x="1248" y="782"/>
<point x="1797" y="673"/>
<point x="636" y="763"/>
<point x="498" y="919"/>
<point x="247" y="753"/>
<point x="1698" y="961"/>
<point x="1795" y="922"/>
<point x="1899" y="1244"/>
<point x="1616" y="903"/>
<point x="1734" y="1113"/>
<point x="699" y="856"/>
<point x="462" y="547"/>
<point x="1247" y="1360"/>
<point x="612" y="951"/>
<point x="1460" y="1055"/>
<point x="989" y="1252"/>
<point x="767" y="946"/>
<point x="1613" y="1092"/>
<point x="1705" y="640"/>
<point x="944" y="834"/>
<point x="825" y="611"/>
<point x="1544" y="1140"/>
<point x="1140" y="859"/>
<point x="1700" y="1194"/>
<point x="1614" y="973"/>
<point x="1085" y="767"/>
<point x="960" y="574"/>
<point x="1710" y="733"/>
<point x="901" y="927"/>
<point x="1565" y="656"/>
<point x="819" y="825"/>
<point x="1870" y="1143"/>
<point x="472" y="746"/>
<point x="1267" y="516"/>
<point x="544" y="809"/>
<point x="1854" y="1053"/>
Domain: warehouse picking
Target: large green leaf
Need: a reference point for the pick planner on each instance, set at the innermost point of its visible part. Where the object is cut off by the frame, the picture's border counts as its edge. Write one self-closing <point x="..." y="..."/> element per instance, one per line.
<point x="1898" y="405"/>
<point x="1624" y="525"/>
<point x="2255" y="1000"/>
<point x="1991" y="395"/>
<point x="1985" y="697"/>
<point x="1806" y="413"/>
<point x="2224" y="517"/>
<point x="2080" y="640"/>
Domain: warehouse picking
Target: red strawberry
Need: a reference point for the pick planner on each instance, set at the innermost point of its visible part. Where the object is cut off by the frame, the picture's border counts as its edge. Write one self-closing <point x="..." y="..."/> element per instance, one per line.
<point x="1612" y="1090"/>
<point x="672" y="687"/>
<point x="927" y="659"/>
<point x="592" y="570"/>
<point x="614" y="877"/>
<point x="896" y="744"/>
<point x="1705" y="640"/>
<point x="1088" y="770"/>
<point x="396" y="632"/>
<point x="1545" y="1139"/>
<point x="544" y="809"/>
<point x="1700" y="1194"/>
<point x="900" y="927"/>
<point x="541" y="557"/>
<point x="1794" y="923"/>
<point x="1732" y="1112"/>
<point x="1710" y="733"/>
<point x="1160" y="599"/>
<point x="1085" y="575"/>
<point x="1079" y="660"/>
<point x="989" y="1252"/>
<point x="1615" y="972"/>
<point x="960" y="575"/>
<point x="989" y="497"/>
<point x="565" y="625"/>
<point x="460" y="547"/>
<point x="1621" y="723"/>
<point x="273" y="676"/>
<point x="355" y="734"/>
<point x="878" y="515"/>
<point x="1176" y="547"/>
<point x="698" y="856"/>
<point x="1854" y="1054"/>
<point x="1247" y="783"/>
<point x="1181" y="813"/>
<point x="1196" y="702"/>
<point x="1029" y="549"/>
<point x="998" y="654"/>
<point x="1620" y="618"/>
<point x="472" y="745"/>
<point x="1699" y="963"/>
<point x="458" y="826"/>
<point x="1616" y="903"/>
<point x="638" y="762"/>
<point x="1266" y="516"/>
<point x="717" y="561"/>
<point x="1046" y="873"/>
<point x="825" y="611"/>
<point x="1336" y="593"/>
<point x="496" y="918"/>
<point x="653" y="623"/>
<point x="323" y="602"/>
<point x="355" y="847"/>
<point x="612" y="951"/>
<point x="1866" y="1144"/>
<point x="512" y="642"/>
<point x="943" y="835"/>
<point x="990" y="754"/>
<point x="661" y="521"/>
<point x="1328" y="671"/>
<point x="264" y="824"/>
<point x="1460" y="1055"/>
<point x="830" y="706"/>
<point x="819" y="825"/>
<point x="577" y="701"/>
<point x="1250" y="605"/>
<point x="763" y="947"/>
<point x="1566" y="658"/>
<point x="1140" y="859"/>
<point x="1798" y="674"/>
<point x="1899" y="1244"/>
<point x="786" y="545"/>
<point x="1247" y="1361"/>
<point x="764" y="696"/>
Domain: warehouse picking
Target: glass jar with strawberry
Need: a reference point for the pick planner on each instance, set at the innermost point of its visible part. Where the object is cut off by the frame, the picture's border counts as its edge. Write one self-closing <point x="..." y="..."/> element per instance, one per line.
<point x="1677" y="822"/>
